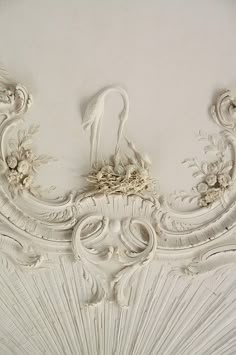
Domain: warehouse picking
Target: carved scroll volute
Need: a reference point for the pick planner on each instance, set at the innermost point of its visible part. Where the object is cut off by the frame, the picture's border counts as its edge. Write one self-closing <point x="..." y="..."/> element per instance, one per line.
<point x="111" y="249"/>
<point x="213" y="258"/>
<point x="14" y="100"/>
<point x="84" y="246"/>
<point x="224" y="111"/>
<point x="207" y="211"/>
<point x="117" y="219"/>
<point x="139" y="247"/>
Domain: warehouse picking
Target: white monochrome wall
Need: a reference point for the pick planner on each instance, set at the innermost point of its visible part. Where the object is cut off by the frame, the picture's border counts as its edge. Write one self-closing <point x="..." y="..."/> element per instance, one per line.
<point x="118" y="264"/>
<point x="170" y="56"/>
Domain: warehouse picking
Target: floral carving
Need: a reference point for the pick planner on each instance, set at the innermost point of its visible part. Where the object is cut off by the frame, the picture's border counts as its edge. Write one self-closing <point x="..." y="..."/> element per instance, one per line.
<point x="216" y="180"/>
<point x="115" y="230"/>
<point x="215" y="175"/>
<point x="21" y="164"/>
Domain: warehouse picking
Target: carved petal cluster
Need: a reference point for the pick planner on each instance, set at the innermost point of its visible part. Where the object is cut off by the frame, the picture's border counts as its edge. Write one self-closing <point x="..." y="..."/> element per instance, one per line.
<point x="119" y="225"/>
<point x="21" y="165"/>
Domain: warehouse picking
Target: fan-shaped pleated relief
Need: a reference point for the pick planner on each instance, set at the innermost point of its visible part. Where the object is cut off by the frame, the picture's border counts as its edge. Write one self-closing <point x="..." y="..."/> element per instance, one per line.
<point x="44" y="312"/>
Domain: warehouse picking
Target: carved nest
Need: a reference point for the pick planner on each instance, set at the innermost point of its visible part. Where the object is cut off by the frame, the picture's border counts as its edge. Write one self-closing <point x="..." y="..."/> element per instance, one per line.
<point x="126" y="175"/>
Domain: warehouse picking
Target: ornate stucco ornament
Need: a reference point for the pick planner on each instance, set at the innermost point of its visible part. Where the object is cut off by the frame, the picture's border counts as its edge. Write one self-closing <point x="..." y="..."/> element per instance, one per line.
<point x="118" y="224"/>
<point x="21" y="164"/>
<point x="125" y="174"/>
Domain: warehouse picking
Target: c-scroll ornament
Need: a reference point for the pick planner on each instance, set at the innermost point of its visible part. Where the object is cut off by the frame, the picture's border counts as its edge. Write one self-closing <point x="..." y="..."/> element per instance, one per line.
<point x="113" y="247"/>
<point x="118" y="180"/>
<point x="119" y="223"/>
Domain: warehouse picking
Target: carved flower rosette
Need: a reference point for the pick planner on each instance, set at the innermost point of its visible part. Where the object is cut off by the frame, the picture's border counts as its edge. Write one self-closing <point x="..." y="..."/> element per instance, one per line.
<point x="118" y="223"/>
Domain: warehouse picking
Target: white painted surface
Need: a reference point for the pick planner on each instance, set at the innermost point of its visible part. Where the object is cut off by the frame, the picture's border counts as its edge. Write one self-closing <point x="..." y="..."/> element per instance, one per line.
<point x="171" y="57"/>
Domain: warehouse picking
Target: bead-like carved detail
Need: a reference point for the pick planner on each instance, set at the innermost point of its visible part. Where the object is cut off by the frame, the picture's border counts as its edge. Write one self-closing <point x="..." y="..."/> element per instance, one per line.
<point x="117" y="228"/>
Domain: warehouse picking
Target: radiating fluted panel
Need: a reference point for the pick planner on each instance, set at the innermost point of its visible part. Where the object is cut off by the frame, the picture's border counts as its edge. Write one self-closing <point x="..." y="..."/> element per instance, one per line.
<point x="43" y="313"/>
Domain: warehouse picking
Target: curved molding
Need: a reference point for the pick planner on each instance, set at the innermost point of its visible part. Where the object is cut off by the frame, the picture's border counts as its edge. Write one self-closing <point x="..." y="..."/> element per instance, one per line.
<point x="212" y="259"/>
<point x="109" y="243"/>
<point x="118" y="224"/>
<point x="13" y="253"/>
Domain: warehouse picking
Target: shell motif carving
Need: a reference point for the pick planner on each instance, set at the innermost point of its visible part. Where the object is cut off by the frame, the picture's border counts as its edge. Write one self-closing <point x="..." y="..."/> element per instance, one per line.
<point x="119" y="223"/>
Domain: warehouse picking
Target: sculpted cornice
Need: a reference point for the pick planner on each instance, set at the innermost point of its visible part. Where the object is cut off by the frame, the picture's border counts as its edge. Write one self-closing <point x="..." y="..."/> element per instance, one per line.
<point x="119" y="223"/>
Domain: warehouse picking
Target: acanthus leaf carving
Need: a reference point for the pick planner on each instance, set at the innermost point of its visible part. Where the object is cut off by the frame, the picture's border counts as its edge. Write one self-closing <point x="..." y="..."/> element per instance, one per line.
<point x="14" y="254"/>
<point x="120" y="224"/>
<point x="107" y="240"/>
<point x="212" y="259"/>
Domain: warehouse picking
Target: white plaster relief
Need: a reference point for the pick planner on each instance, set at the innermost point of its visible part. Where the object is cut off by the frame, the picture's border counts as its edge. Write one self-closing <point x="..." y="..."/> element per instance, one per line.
<point x="114" y="232"/>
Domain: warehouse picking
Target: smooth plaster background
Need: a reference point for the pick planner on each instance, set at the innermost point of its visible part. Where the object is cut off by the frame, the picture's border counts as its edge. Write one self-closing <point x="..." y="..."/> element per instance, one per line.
<point x="171" y="56"/>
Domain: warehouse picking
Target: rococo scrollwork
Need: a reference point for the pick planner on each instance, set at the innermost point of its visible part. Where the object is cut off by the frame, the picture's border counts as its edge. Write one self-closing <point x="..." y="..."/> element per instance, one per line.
<point x="119" y="222"/>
